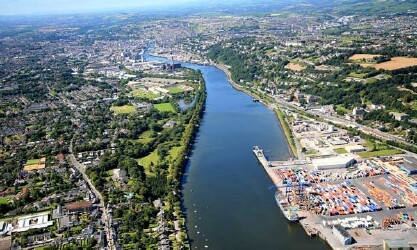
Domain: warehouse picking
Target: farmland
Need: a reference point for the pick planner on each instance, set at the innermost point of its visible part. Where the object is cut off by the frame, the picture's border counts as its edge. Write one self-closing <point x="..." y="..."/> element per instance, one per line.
<point x="394" y="63"/>
<point x="363" y="57"/>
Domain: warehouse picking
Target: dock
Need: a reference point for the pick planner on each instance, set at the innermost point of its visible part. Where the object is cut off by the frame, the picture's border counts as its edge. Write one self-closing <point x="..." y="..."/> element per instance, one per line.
<point x="265" y="164"/>
<point x="288" y="164"/>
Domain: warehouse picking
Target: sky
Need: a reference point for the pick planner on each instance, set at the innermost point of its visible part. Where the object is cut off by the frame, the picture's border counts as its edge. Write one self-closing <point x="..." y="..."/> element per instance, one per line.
<point x="24" y="7"/>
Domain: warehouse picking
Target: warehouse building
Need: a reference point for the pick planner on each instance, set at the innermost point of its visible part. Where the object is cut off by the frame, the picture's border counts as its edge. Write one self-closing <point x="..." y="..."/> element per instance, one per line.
<point x="337" y="162"/>
<point x="409" y="165"/>
<point x="396" y="245"/>
<point x="355" y="149"/>
<point x="342" y="235"/>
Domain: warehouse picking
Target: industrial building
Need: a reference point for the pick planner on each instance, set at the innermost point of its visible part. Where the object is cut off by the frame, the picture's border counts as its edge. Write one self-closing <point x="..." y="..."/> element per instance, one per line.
<point x="342" y="235"/>
<point x="396" y="245"/>
<point x="37" y="221"/>
<point x="355" y="149"/>
<point x="333" y="162"/>
<point x="409" y="165"/>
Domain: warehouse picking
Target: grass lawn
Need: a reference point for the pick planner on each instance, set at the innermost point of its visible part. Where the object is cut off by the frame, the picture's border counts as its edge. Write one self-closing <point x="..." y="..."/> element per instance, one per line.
<point x="343" y="109"/>
<point x="175" y="90"/>
<point x="371" y="80"/>
<point x="357" y="75"/>
<point x="32" y="161"/>
<point x="147" y="160"/>
<point x="4" y="200"/>
<point x="142" y="93"/>
<point x="368" y="144"/>
<point x="145" y="137"/>
<point x="340" y="150"/>
<point x="164" y="107"/>
<point x="174" y="151"/>
<point x="385" y="152"/>
<point x="42" y="248"/>
<point x="127" y="109"/>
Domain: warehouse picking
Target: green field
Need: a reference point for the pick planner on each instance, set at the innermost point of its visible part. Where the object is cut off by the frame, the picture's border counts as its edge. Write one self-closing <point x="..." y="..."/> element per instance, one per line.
<point x="127" y="109"/>
<point x="385" y="152"/>
<point x="358" y="75"/>
<point x="142" y="93"/>
<point x="371" y="80"/>
<point x="147" y="160"/>
<point x="164" y="107"/>
<point x="343" y="109"/>
<point x="175" y="90"/>
<point x="340" y="151"/>
<point x="174" y="151"/>
<point x="145" y="137"/>
<point x="32" y="161"/>
<point x="4" y="200"/>
<point x="369" y="144"/>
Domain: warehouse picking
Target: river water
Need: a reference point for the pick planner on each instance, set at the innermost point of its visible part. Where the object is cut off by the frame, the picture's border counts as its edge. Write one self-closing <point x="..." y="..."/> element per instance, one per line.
<point x="225" y="190"/>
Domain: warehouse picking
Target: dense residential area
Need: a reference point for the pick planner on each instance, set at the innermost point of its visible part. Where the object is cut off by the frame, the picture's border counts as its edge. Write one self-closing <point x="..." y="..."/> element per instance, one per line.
<point x="94" y="142"/>
<point x="99" y="114"/>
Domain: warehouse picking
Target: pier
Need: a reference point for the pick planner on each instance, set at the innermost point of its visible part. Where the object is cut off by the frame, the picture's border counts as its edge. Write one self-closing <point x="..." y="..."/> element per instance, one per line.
<point x="310" y="223"/>
<point x="265" y="163"/>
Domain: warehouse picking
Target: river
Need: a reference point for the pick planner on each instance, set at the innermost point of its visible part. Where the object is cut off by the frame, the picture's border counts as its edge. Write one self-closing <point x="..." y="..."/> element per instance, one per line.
<point x="225" y="190"/>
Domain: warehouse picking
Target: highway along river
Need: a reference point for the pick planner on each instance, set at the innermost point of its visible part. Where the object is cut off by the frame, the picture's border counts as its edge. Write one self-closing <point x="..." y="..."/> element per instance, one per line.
<point x="226" y="197"/>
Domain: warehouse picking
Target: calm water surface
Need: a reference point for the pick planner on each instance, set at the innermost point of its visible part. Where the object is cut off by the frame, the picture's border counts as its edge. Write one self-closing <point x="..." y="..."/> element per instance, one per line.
<point x="226" y="197"/>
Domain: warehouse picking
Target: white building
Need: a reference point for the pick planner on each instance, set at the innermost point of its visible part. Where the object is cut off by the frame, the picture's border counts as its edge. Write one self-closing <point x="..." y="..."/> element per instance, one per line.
<point x="37" y="221"/>
<point x="333" y="162"/>
<point x="342" y="235"/>
<point x="355" y="149"/>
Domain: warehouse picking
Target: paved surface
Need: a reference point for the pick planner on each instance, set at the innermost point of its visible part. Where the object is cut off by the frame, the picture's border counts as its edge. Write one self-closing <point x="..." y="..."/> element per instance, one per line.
<point x="105" y="215"/>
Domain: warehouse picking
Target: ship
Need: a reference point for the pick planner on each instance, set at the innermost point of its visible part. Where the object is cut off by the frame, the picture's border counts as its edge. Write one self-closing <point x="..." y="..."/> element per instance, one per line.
<point x="289" y="212"/>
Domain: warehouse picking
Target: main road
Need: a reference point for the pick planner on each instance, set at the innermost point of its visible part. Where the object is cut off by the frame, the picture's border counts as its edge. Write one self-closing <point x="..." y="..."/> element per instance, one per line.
<point x="105" y="215"/>
<point x="375" y="132"/>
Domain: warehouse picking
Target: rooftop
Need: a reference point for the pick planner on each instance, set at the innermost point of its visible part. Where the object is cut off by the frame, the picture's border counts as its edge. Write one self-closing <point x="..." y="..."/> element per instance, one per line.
<point x="78" y="205"/>
<point x="410" y="163"/>
<point x="397" y="243"/>
<point x="342" y="231"/>
<point x="332" y="160"/>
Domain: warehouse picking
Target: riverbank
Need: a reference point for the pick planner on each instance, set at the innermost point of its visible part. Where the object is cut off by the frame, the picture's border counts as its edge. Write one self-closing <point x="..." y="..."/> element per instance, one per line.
<point x="207" y="188"/>
<point x="279" y="113"/>
<point x="287" y="131"/>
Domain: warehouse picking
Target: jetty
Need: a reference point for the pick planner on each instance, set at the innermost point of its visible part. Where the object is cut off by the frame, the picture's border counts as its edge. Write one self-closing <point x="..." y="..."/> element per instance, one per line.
<point x="259" y="153"/>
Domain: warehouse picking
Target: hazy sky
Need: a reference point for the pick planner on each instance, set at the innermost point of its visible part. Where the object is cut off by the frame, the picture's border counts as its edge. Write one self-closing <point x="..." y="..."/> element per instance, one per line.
<point x="17" y="7"/>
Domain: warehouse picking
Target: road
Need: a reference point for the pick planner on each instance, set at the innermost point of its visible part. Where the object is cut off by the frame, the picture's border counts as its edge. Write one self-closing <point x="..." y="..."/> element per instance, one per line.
<point x="105" y="215"/>
<point x="81" y="168"/>
<point x="375" y="132"/>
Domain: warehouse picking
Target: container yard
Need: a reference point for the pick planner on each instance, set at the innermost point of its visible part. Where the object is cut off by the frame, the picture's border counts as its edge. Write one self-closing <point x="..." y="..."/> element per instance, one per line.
<point x="383" y="197"/>
<point x="372" y="201"/>
<point x="341" y="199"/>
